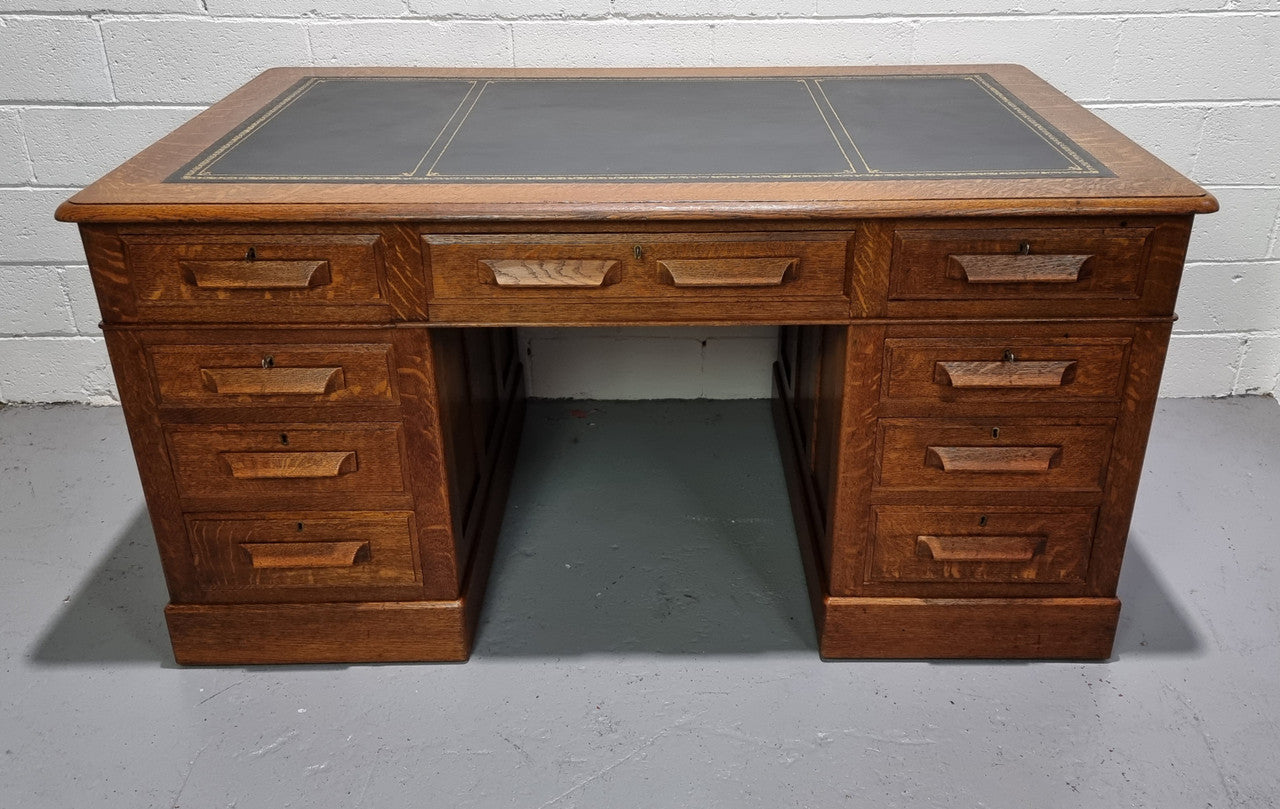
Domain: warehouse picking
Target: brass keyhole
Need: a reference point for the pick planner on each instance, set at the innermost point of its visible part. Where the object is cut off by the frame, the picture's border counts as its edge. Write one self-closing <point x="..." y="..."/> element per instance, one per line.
<point x="995" y="432"/>
<point x="982" y="521"/>
<point x="299" y="526"/>
<point x="284" y="438"/>
<point x="637" y="252"/>
<point x="252" y="255"/>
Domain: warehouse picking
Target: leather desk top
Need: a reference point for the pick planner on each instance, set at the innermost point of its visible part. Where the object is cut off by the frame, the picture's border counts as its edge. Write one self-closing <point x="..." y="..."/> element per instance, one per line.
<point x="641" y="129"/>
<point x="400" y="143"/>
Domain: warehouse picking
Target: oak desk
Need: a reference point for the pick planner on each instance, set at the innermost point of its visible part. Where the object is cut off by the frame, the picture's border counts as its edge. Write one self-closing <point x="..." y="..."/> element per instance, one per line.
<point x="309" y="293"/>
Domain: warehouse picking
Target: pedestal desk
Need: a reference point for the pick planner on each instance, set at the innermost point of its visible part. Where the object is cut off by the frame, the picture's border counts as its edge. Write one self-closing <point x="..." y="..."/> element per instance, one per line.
<point x="309" y="293"/>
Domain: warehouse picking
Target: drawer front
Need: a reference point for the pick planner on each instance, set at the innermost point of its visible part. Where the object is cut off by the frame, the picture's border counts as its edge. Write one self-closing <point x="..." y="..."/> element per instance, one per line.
<point x="307" y="549"/>
<point x="967" y="544"/>
<point x="1005" y="369"/>
<point x="1019" y="263"/>
<point x="587" y="267"/>
<point x="252" y="278"/>
<point x="266" y="373"/>
<point x="279" y="460"/>
<point x="929" y="454"/>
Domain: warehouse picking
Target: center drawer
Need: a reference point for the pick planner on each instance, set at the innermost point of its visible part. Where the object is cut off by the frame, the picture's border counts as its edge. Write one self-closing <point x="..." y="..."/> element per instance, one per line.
<point x="588" y="272"/>
<point x="280" y="460"/>
<point x="925" y="454"/>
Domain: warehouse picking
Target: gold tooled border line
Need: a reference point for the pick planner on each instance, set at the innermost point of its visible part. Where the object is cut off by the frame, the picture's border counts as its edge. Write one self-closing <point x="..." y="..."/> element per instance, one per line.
<point x="1080" y="166"/>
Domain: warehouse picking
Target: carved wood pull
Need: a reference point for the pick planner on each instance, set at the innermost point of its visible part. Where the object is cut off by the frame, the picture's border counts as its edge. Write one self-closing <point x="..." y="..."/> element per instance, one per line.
<point x="256" y="465"/>
<point x="979" y="548"/>
<point x="341" y="553"/>
<point x="1005" y="374"/>
<point x="273" y="381"/>
<point x="726" y="272"/>
<point x="255" y="274"/>
<point x="550" y="273"/>
<point x="993" y="459"/>
<point x="1018" y="268"/>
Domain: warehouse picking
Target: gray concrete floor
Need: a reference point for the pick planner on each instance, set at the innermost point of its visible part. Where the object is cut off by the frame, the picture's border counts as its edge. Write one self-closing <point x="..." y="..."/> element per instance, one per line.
<point x="646" y="643"/>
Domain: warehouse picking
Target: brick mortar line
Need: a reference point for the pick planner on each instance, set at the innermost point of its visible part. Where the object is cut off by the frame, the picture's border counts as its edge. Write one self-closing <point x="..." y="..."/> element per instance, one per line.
<point x="45" y="264"/>
<point x="311" y="49"/>
<point x="1202" y="127"/>
<point x="65" y="288"/>
<point x="35" y="187"/>
<point x="1241" y="354"/>
<point x="78" y="336"/>
<point x="26" y="149"/>
<point x="1238" y="186"/>
<point x="104" y="105"/>
<point x="1208" y="103"/>
<point x="1117" y="49"/>
<point x="106" y="60"/>
<point x="1236" y="334"/>
<point x="1244" y="261"/>
<point x="99" y="14"/>
<point x="1266" y="331"/>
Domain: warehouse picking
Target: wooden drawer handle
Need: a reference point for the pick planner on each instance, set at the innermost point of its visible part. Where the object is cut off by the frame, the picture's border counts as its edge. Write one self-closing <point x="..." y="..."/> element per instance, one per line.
<point x="726" y="272"/>
<point x="551" y="273"/>
<point x="256" y="465"/>
<point x="255" y="274"/>
<point x="993" y="459"/>
<point x="1019" y="268"/>
<point x="979" y="548"/>
<point x="273" y="381"/>
<point x="1005" y="374"/>
<point x="306" y="554"/>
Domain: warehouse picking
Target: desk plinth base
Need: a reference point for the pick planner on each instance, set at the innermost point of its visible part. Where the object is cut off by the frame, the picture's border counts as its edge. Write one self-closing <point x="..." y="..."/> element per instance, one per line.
<point x="1070" y="628"/>
<point x="360" y="632"/>
<point x="901" y="628"/>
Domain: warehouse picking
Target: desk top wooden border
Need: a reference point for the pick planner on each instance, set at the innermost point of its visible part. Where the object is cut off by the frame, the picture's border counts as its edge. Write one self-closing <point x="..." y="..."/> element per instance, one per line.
<point x="137" y="191"/>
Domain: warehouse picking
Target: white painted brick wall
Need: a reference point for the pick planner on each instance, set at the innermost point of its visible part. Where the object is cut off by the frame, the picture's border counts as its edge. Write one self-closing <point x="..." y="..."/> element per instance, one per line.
<point x="53" y="59"/>
<point x="411" y="42"/>
<point x="86" y="83"/>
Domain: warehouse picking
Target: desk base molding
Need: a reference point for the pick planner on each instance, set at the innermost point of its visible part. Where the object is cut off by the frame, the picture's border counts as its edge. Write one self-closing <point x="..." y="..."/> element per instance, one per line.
<point x="1070" y="628"/>
<point x="358" y="632"/>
